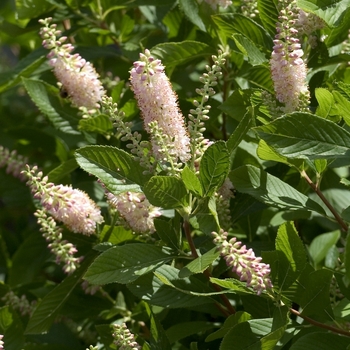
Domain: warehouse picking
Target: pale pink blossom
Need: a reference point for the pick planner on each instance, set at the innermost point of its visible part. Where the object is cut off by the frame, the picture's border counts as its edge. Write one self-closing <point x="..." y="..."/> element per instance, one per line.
<point x="78" y="78"/>
<point x="20" y="304"/>
<point x="71" y="206"/>
<point x="159" y="106"/>
<point x="136" y="210"/>
<point x="243" y="262"/>
<point x="288" y="69"/>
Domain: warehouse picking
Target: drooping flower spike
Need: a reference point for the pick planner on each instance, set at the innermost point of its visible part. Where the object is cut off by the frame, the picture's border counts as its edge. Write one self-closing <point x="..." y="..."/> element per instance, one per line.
<point x="13" y="162"/>
<point x="78" y="78"/>
<point x="243" y="262"/>
<point x="71" y="206"/>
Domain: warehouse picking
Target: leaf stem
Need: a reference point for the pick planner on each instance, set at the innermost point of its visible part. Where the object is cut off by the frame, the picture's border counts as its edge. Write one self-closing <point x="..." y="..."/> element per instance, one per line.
<point x="230" y="309"/>
<point x="319" y="324"/>
<point x="337" y="217"/>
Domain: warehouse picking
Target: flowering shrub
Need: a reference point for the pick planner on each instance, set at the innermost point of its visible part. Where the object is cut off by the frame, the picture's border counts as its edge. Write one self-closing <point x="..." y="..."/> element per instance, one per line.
<point x="174" y="175"/>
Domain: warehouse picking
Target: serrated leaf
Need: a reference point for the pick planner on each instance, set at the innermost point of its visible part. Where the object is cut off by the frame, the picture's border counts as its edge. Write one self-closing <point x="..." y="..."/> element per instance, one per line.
<point x="326" y="104"/>
<point x="49" y="307"/>
<point x="124" y="264"/>
<point x="167" y="192"/>
<point x="100" y="124"/>
<point x="268" y="14"/>
<point x="214" y="167"/>
<point x="178" y="53"/>
<point x="38" y="92"/>
<point x="191" y="181"/>
<point x="151" y="289"/>
<point x="191" y="10"/>
<point x="321" y="244"/>
<point x="249" y="49"/>
<point x="321" y="341"/>
<point x="199" y="264"/>
<point x="237" y="136"/>
<point x="166" y="230"/>
<point x="294" y="256"/>
<point x="113" y="166"/>
<point x="306" y="136"/>
<point x="270" y="189"/>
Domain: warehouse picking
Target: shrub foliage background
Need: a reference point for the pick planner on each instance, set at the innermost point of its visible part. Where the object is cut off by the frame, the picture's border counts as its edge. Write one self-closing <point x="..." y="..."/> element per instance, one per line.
<point x="289" y="169"/>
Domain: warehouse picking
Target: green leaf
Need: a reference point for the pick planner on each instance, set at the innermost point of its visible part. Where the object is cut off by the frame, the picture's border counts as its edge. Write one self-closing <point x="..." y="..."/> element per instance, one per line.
<point x="270" y="189"/>
<point x="167" y="192"/>
<point x="62" y="170"/>
<point x="347" y="257"/>
<point x="199" y="264"/>
<point x="233" y="285"/>
<point x="38" y="92"/>
<point x="28" y="9"/>
<point x="259" y="76"/>
<point x="100" y="124"/>
<point x="124" y="264"/>
<point x="236" y="23"/>
<point x="158" y="339"/>
<point x="321" y="244"/>
<point x="237" y="136"/>
<point x="306" y="136"/>
<point x="113" y="166"/>
<point x="167" y="232"/>
<point x="249" y="49"/>
<point x="179" y="53"/>
<point x="191" y="9"/>
<point x="321" y="341"/>
<point x="191" y="181"/>
<point x="268" y="14"/>
<point x="49" y="307"/>
<point x="24" y="68"/>
<point x="214" y="167"/>
<point x="116" y="234"/>
<point x="342" y="105"/>
<point x="294" y="256"/>
<point x="12" y="328"/>
<point x="326" y="104"/>
<point x="185" y="329"/>
<point x="176" y="293"/>
<point x="314" y="299"/>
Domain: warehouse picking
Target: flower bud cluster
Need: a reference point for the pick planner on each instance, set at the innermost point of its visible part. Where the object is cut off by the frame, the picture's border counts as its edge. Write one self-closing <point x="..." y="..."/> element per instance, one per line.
<point x="158" y="104"/>
<point x="20" y="304"/>
<point x="309" y="23"/>
<point x="215" y="3"/>
<point x="249" y="8"/>
<point x="243" y="262"/>
<point x="71" y="206"/>
<point x="62" y="249"/>
<point x="123" y="338"/>
<point x="287" y="66"/>
<point x="198" y="115"/>
<point x="136" y="210"/>
<point x="78" y="78"/>
<point x="223" y="197"/>
<point x="14" y="162"/>
<point x="1" y="342"/>
<point x="140" y="149"/>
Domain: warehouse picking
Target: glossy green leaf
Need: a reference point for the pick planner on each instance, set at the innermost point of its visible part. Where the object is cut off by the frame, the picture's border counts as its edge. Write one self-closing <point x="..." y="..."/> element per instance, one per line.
<point x="49" y="307"/>
<point x="100" y="124"/>
<point x="168" y="233"/>
<point x="191" y="181"/>
<point x="326" y="104"/>
<point x="12" y="328"/>
<point x="39" y="93"/>
<point x="167" y="192"/>
<point x="294" y="256"/>
<point x="306" y="136"/>
<point x="199" y="264"/>
<point x="214" y="167"/>
<point x="233" y="285"/>
<point x="124" y="264"/>
<point x="113" y="166"/>
<point x="270" y="189"/>
<point x="321" y="341"/>
<point x="268" y="15"/>
<point x="321" y="244"/>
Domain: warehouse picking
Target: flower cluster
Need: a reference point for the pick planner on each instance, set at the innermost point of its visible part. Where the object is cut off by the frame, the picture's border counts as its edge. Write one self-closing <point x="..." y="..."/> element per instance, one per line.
<point x="215" y="3"/>
<point x="135" y="209"/>
<point x="249" y="8"/>
<point x="78" y="78"/>
<point x="21" y="304"/>
<point x="71" y="206"/>
<point x="62" y="249"/>
<point x="243" y="262"/>
<point x="308" y="23"/>
<point x="287" y="66"/>
<point x="123" y="338"/>
<point x="159" y="108"/>
<point x="1" y="342"/>
<point x="14" y="162"/>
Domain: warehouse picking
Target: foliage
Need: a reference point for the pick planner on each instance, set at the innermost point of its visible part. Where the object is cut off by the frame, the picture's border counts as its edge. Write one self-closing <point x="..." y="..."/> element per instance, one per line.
<point x="269" y="182"/>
